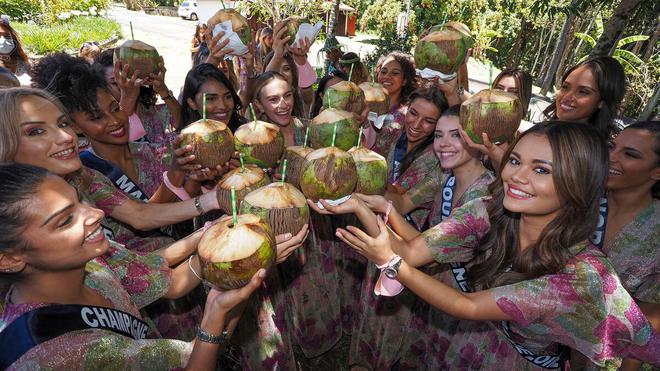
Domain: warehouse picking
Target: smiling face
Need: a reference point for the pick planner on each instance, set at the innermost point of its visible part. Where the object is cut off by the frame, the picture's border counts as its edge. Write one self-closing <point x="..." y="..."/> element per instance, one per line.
<point x="448" y="145"/>
<point x="634" y="163"/>
<point x="578" y="98"/>
<point x="219" y="101"/>
<point x="108" y="125"/>
<point x="47" y="138"/>
<point x="276" y="101"/>
<point x="420" y="120"/>
<point x="390" y="76"/>
<point x="529" y="187"/>
<point x="62" y="233"/>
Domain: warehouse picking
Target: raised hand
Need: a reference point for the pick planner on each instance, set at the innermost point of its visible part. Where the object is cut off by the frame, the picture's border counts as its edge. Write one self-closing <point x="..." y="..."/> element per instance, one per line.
<point x="280" y="40"/>
<point x="287" y="244"/>
<point x="376" y="203"/>
<point x="217" y="50"/>
<point x="495" y="152"/>
<point x="350" y="206"/>
<point x="129" y="87"/>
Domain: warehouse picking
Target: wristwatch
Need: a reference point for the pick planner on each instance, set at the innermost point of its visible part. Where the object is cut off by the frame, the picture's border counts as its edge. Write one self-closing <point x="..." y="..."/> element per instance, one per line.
<point x="392" y="270"/>
<point x="209" y="338"/>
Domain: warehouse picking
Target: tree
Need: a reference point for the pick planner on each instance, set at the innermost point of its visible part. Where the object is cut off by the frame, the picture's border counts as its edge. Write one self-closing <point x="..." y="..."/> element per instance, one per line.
<point x="559" y="51"/>
<point x="615" y="25"/>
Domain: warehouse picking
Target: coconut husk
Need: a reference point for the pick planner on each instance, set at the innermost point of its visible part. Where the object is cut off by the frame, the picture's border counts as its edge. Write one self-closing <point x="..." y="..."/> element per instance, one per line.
<point x="295" y="157"/>
<point x="239" y="24"/>
<point x="377" y="97"/>
<point x="444" y="47"/>
<point x="140" y="57"/>
<point x="321" y="127"/>
<point x="346" y="96"/>
<point x="261" y="143"/>
<point x="243" y="183"/>
<point x="371" y="171"/>
<point x="330" y="174"/>
<point x="494" y="112"/>
<point x="212" y="142"/>
<point x="292" y="24"/>
<point x="231" y="254"/>
<point x="281" y="204"/>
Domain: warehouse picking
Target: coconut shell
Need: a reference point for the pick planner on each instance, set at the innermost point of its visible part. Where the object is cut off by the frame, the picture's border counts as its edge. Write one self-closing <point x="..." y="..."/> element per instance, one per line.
<point x="321" y="127"/>
<point x="239" y="24"/>
<point x="494" y="112"/>
<point x="295" y="161"/>
<point x="281" y="204"/>
<point x="443" y="48"/>
<point x="377" y="97"/>
<point x="231" y="254"/>
<point x="212" y="142"/>
<point x="140" y="57"/>
<point x="371" y="171"/>
<point x="292" y="24"/>
<point x="261" y="143"/>
<point x="330" y="174"/>
<point x="243" y="183"/>
<point x="346" y="96"/>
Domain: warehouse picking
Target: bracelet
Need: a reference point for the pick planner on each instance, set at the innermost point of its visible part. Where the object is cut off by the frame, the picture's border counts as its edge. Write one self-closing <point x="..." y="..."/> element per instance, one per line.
<point x="387" y="212"/>
<point x="210" y="338"/>
<point x="180" y="192"/>
<point x="198" y="205"/>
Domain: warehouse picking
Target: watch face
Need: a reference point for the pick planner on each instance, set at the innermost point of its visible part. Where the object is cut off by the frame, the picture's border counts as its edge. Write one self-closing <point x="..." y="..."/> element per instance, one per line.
<point x="390" y="272"/>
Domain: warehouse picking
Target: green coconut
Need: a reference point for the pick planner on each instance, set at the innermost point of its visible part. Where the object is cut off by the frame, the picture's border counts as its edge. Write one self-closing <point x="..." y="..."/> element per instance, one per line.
<point x="261" y="143"/>
<point x="494" y="112"/>
<point x="346" y="96"/>
<point x="292" y="24"/>
<point x="140" y="57"/>
<point x="377" y="97"/>
<point x="330" y="174"/>
<point x="239" y="24"/>
<point x="231" y="254"/>
<point x="281" y="204"/>
<point x="295" y="161"/>
<point x="244" y="181"/>
<point x="371" y="171"/>
<point x="212" y="142"/>
<point x="322" y="126"/>
<point x="443" y="48"/>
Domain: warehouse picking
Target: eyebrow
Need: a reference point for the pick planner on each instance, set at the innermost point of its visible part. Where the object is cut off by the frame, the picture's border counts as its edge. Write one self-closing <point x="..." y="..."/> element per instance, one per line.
<point x="535" y="161"/>
<point x="57" y="214"/>
<point x="41" y="122"/>
<point x="632" y="149"/>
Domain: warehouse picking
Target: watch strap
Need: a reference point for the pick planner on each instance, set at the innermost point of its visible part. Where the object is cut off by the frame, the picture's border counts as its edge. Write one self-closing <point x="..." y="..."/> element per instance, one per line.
<point x="210" y="338"/>
<point x="386" y="286"/>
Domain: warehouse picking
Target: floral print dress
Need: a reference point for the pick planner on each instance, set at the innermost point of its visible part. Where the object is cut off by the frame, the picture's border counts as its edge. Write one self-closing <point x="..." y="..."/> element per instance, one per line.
<point x="130" y="281"/>
<point x="583" y="306"/>
<point x="391" y="131"/>
<point x="158" y="123"/>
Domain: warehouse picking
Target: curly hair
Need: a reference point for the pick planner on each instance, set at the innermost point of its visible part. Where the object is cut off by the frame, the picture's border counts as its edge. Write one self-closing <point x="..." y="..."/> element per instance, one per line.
<point x="407" y="68"/>
<point x="71" y="79"/>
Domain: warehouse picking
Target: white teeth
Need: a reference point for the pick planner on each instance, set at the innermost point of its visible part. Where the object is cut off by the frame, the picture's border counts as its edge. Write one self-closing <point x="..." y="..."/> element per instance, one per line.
<point x="120" y="130"/>
<point x="93" y="235"/>
<point x="566" y="107"/>
<point x="65" y="153"/>
<point x="519" y="193"/>
<point x="615" y="172"/>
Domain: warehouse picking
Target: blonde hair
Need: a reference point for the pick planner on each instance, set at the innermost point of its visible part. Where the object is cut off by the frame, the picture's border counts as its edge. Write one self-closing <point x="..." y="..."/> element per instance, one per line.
<point x="10" y="134"/>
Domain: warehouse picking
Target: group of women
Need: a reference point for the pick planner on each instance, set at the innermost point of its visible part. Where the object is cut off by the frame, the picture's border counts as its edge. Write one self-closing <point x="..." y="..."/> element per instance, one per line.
<point x="539" y="253"/>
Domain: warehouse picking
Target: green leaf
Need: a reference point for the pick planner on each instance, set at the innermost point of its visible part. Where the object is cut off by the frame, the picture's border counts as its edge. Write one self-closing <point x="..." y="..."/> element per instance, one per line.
<point x="631" y="39"/>
<point x="494" y="50"/>
<point x="586" y="38"/>
<point x="599" y="24"/>
<point x="628" y="56"/>
<point x="627" y="67"/>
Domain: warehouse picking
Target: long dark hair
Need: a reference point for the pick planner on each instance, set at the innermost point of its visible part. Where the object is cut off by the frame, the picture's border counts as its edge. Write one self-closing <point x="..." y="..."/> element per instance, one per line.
<point x="611" y="80"/>
<point x="580" y="168"/>
<point x="652" y="127"/>
<point x="195" y="78"/>
<point x="105" y="60"/>
<point x="265" y="78"/>
<point x="18" y="54"/>
<point x="435" y="96"/>
<point x="523" y="82"/>
<point x="409" y="73"/>
<point x="318" y="98"/>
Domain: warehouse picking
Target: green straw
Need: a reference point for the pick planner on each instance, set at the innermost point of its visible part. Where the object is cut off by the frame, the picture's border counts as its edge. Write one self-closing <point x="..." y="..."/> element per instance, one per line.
<point x="490" y="75"/>
<point x="444" y="19"/>
<point x="254" y="117"/>
<point x="283" y="171"/>
<point x="350" y="74"/>
<point x="334" y="135"/>
<point x="360" y="137"/>
<point x="204" y="107"/>
<point x="132" y="36"/>
<point x="306" y="135"/>
<point x="233" y="205"/>
<point x="242" y="163"/>
<point x="223" y="4"/>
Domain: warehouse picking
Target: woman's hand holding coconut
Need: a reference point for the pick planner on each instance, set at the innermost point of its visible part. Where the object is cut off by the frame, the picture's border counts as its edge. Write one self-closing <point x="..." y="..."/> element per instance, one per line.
<point x="185" y="163"/>
<point x="378" y="249"/>
<point x="353" y="205"/>
<point x="495" y="152"/>
<point x="280" y="40"/>
<point x="129" y="86"/>
<point x="299" y="51"/>
<point x="217" y="50"/>
<point x="287" y="243"/>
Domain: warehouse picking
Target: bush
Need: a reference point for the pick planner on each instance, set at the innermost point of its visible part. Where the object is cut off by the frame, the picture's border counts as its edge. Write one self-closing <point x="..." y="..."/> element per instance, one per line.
<point x="54" y="7"/>
<point x="20" y="10"/>
<point x="66" y="36"/>
<point x="380" y="14"/>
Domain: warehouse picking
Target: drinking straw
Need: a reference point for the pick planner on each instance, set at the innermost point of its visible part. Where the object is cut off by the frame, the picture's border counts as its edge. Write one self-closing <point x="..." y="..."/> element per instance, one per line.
<point x="334" y="135"/>
<point x="373" y="75"/>
<point x="350" y="73"/>
<point x="132" y="36"/>
<point x="223" y="4"/>
<point x="359" y="138"/>
<point x="490" y="75"/>
<point x="254" y="117"/>
<point x="204" y="107"/>
<point x="444" y="19"/>
<point x="283" y="171"/>
<point x="233" y="205"/>
<point x="306" y="135"/>
<point x="242" y="163"/>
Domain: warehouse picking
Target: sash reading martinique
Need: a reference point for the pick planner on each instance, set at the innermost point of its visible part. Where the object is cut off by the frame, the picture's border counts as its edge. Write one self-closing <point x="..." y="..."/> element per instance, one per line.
<point x="399" y="154"/>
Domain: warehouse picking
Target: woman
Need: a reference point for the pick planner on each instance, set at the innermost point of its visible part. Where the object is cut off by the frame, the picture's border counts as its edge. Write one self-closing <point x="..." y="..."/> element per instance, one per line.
<point x="351" y="61"/>
<point x="149" y="121"/>
<point x="388" y="327"/>
<point x="54" y="253"/>
<point x="264" y="47"/>
<point x="396" y="72"/>
<point x="591" y="93"/>
<point x="531" y="272"/>
<point x="517" y="82"/>
<point x="325" y="82"/>
<point x="198" y="39"/>
<point x="12" y="54"/>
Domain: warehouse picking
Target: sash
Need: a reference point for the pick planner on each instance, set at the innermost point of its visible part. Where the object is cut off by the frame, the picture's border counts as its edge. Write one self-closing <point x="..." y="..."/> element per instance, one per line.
<point x="598" y="237"/>
<point x="399" y="154"/>
<point x="114" y="173"/>
<point x="447" y="200"/>
<point x="42" y="324"/>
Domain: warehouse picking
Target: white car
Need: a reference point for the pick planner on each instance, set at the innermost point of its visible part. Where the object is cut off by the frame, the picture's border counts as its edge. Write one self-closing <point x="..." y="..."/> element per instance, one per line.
<point x="188" y="10"/>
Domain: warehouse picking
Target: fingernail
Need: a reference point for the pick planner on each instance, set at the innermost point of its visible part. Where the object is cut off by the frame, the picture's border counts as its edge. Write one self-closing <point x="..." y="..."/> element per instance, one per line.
<point x="288" y="235"/>
<point x="262" y="273"/>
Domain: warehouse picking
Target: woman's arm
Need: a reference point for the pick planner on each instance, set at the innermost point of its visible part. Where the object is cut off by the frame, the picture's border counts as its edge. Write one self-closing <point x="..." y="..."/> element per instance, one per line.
<point x="352" y="206"/>
<point x="158" y="83"/>
<point x="184" y="279"/>
<point x="181" y="249"/>
<point x="280" y="41"/>
<point x="652" y="313"/>
<point x="380" y="205"/>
